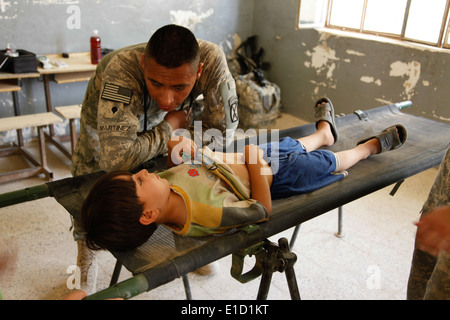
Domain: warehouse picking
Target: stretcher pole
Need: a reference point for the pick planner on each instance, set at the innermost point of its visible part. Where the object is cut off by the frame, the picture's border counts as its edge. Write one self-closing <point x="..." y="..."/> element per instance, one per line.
<point x="126" y="289"/>
<point x="24" y="195"/>
<point x="403" y="105"/>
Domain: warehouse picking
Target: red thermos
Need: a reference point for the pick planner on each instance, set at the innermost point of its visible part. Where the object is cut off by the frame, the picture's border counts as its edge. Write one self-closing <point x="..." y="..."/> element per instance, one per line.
<point x="96" y="48"/>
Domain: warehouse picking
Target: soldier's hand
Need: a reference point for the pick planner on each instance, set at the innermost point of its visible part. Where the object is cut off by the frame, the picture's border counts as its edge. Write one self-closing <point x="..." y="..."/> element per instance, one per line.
<point x="433" y="232"/>
<point x="177" y="119"/>
<point x="177" y="146"/>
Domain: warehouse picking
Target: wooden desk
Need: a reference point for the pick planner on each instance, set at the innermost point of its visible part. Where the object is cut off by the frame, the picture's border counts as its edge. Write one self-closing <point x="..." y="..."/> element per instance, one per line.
<point x="78" y="68"/>
<point x="12" y="82"/>
<point x="76" y="62"/>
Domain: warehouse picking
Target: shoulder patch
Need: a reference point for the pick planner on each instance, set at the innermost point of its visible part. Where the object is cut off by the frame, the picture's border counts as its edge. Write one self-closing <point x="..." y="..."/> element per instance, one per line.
<point x="117" y="93"/>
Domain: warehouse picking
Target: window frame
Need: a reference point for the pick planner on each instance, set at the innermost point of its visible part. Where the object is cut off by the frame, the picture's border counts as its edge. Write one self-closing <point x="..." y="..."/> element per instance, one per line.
<point x="444" y="34"/>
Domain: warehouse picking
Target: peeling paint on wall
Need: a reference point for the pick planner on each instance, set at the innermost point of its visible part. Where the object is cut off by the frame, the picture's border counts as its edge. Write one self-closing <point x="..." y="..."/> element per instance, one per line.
<point x="8" y="10"/>
<point x="368" y="79"/>
<point x="189" y="19"/>
<point x="322" y="59"/>
<point x="441" y="118"/>
<point x="355" y="53"/>
<point x="411" y="70"/>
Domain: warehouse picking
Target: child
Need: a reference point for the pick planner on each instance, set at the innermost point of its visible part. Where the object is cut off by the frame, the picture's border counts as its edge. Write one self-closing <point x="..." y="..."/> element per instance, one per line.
<point x="202" y="198"/>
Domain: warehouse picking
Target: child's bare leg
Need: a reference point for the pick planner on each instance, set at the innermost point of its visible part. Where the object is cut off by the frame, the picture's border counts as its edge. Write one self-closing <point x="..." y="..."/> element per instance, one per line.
<point x="350" y="157"/>
<point x="322" y="137"/>
<point x="389" y="139"/>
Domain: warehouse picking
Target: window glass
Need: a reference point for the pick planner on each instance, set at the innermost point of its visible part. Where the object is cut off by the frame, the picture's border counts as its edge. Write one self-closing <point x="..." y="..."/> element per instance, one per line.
<point x="312" y="13"/>
<point x="425" y="20"/>
<point x="347" y="13"/>
<point x="385" y="16"/>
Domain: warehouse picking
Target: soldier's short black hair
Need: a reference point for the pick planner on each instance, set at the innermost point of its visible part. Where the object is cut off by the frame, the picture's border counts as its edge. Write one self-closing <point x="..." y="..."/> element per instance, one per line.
<point x="172" y="46"/>
<point x="110" y="214"/>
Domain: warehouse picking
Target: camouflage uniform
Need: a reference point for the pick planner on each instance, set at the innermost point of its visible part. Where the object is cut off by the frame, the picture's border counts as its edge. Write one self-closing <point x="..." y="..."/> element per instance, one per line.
<point x="430" y="276"/>
<point x="111" y="137"/>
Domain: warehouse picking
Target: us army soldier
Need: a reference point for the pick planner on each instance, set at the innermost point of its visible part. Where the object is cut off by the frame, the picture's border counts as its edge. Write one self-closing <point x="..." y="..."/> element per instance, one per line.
<point x="136" y="92"/>
<point x="137" y="97"/>
<point x="429" y="277"/>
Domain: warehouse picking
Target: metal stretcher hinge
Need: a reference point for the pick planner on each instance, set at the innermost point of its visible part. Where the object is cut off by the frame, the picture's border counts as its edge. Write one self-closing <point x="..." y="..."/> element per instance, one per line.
<point x="270" y="257"/>
<point x="362" y="115"/>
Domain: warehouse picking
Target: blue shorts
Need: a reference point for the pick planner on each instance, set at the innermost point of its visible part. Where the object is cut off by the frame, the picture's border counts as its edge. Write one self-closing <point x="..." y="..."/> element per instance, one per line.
<point x="297" y="171"/>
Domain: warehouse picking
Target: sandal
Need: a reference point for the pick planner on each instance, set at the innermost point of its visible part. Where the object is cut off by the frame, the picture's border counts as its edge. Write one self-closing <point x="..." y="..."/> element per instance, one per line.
<point x="326" y="112"/>
<point x="390" y="138"/>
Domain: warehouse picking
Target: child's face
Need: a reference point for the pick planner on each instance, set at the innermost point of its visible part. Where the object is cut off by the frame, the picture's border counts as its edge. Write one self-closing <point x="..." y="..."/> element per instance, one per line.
<point x="152" y="191"/>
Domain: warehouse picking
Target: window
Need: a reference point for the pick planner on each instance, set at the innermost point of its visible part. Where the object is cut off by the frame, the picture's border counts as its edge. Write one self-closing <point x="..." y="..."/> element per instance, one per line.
<point x="312" y="13"/>
<point x="422" y="21"/>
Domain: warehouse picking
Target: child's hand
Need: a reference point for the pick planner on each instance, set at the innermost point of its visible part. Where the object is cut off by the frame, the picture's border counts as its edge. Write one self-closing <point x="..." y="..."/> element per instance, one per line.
<point x="178" y="145"/>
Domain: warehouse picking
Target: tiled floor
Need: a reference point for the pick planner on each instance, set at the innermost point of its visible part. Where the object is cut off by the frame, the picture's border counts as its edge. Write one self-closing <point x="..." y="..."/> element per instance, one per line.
<point x="371" y="260"/>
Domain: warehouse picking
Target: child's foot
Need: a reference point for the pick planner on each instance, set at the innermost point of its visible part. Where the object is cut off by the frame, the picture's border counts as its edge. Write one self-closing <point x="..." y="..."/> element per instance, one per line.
<point x="325" y="127"/>
<point x="389" y="139"/>
<point x="324" y="114"/>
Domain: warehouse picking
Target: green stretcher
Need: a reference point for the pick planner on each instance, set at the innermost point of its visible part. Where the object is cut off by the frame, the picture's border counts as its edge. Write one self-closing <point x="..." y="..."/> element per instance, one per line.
<point x="167" y="256"/>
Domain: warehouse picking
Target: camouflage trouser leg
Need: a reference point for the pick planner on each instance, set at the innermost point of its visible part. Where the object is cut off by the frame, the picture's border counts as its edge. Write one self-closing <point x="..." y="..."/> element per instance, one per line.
<point x="438" y="287"/>
<point x="421" y="270"/>
<point x="430" y="277"/>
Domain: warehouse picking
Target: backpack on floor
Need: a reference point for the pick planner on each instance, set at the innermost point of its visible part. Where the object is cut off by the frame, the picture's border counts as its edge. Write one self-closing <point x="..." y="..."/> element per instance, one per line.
<point x="259" y="99"/>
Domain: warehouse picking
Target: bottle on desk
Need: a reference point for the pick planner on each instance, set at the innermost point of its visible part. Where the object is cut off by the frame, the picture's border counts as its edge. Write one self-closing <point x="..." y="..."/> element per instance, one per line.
<point x="96" y="48"/>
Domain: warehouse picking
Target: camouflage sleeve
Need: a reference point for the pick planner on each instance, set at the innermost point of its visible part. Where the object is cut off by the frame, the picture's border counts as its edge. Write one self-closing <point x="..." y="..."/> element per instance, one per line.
<point x="219" y="92"/>
<point x="440" y="191"/>
<point x="119" y="110"/>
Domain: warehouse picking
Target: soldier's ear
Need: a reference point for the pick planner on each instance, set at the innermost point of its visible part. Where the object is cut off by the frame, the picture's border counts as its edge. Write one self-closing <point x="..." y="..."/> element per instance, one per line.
<point x="143" y="61"/>
<point x="199" y="70"/>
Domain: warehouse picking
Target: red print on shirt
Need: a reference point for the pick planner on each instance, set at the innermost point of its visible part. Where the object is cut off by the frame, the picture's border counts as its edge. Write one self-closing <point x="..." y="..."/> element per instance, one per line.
<point x="193" y="172"/>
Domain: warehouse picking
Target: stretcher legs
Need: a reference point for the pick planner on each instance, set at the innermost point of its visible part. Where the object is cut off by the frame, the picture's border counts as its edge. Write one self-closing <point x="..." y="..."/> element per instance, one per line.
<point x="116" y="273"/>
<point x="279" y="258"/>
<point x="118" y="268"/>
<point x="187" y="287"/>
<point x="338" y="234"/>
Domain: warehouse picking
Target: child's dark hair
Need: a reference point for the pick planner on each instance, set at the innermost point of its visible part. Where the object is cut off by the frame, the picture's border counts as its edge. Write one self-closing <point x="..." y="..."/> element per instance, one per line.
<point x="110" y="214"/>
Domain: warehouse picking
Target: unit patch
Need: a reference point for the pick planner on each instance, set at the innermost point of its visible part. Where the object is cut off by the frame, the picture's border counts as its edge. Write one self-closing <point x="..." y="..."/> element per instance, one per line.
<point x="233" y="103"/>
<point x="117" y="93"/>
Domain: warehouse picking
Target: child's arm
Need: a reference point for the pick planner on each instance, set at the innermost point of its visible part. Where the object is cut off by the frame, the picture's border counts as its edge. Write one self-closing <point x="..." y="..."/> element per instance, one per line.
<point x="259" y="184"/>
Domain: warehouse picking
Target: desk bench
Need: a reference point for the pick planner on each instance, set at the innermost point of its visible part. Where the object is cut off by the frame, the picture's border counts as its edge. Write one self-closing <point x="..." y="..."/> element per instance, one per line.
<point x="39" y="120"/>
<point x="78" y="68"/>
<point x="70" y="113"/>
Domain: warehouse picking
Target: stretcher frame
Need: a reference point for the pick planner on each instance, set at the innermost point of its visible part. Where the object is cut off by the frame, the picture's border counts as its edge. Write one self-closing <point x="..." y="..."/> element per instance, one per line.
<point x="425" y="147"/>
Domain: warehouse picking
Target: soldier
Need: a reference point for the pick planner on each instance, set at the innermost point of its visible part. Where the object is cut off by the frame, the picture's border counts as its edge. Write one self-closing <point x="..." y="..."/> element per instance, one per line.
<point x="429" y="278"/>
<point x="140" y="94"/>
<point x="151" y="83"/>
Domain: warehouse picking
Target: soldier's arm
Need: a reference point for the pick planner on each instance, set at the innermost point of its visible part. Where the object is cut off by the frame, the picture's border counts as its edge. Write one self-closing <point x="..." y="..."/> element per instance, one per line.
<point x="219" y="92"/>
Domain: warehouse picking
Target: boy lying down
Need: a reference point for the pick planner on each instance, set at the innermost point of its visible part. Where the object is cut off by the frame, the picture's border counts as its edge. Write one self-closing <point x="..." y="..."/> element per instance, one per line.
<point x="200" y="198"/>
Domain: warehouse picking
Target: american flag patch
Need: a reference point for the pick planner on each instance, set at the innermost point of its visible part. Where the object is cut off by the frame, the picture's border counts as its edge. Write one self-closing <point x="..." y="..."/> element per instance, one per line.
<point x="117" y="93"/>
